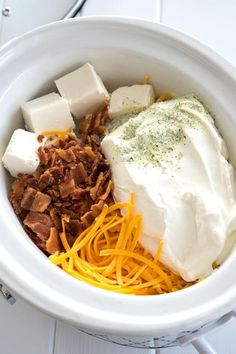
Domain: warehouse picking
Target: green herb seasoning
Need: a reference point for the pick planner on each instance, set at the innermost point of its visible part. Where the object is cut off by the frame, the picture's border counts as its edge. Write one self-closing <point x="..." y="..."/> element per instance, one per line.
<point x="151" y="137"/>
<point x="114" y="123"/>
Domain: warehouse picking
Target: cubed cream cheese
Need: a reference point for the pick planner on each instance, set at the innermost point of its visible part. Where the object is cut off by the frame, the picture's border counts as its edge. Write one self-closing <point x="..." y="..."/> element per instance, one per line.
<point x="130" y="99"/>
<point x="21" y="153"/>
<point x="83" y="89"/>
<point x="46" y="113"/>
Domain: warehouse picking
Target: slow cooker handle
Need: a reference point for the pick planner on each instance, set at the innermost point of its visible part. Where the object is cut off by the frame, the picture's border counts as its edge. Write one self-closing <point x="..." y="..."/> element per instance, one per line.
<point x="73" y="11"/>
<point x="202" y="346"/>
<point x="199" y="342"/>
<point x="6" y="294"/>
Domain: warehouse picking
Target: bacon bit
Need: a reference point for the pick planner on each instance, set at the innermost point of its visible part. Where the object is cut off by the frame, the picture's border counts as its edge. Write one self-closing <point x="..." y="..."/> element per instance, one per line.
<point x="71" y="213"/>
<point x="75" y="227"/>
<point x="94" y="190"/>
<point x="94" y="123"/>
<point x="75" y="149"/>
<point x="28" y="179"/>
<point x="54" y="217"/>
<point x="101" y="130"/>
<point x="101" y="185"/>
<point x="57" y="172"/>
<point x="34" y="200"/>
<point x="72" y="143"/>
<point x="104" y="115"/>
<point x="39" y="223"/>
<point x="78" y="193"/>
<point x="82" y="156"/>
<point x="97" y="121"/>
<point x="79" y="173"/>
<point x="17" y="192"/>
<point x="90" y="152"/>
<point x="84" y="126"/>
<point x="18" y="187"/>
<point x="97" y="208"/>
<point x="15" y="205"/>
<point x="88" y="218"/>
<point x="53" y="243"/>
<point x="54" y="193"/>
<point x="45" y="180"/>
<point x="40" y="138"/>
<point x="107" y="191"/>
<point x="53" y="158"/>
<point x="95" y="139"/>
<point x="66" y="217"/>
<point x="68" y="186"/>
<point x="44" y="155"/>
<point x="66" y="155"/>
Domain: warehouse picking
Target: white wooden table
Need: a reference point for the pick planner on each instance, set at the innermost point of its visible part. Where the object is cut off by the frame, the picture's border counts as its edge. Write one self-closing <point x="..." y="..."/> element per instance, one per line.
<point x="23" y="329"/>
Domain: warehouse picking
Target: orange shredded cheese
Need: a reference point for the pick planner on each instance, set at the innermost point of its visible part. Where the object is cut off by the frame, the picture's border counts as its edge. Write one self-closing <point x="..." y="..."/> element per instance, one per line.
<point x="146" y="80"/>
<point x="165" y="97"/>
<point x="108" y="255"/>
<point x="58" y="133"/>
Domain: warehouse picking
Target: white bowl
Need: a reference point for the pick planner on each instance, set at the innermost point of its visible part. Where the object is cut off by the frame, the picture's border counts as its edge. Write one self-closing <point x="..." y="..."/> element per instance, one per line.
<point x="122" y="51"/>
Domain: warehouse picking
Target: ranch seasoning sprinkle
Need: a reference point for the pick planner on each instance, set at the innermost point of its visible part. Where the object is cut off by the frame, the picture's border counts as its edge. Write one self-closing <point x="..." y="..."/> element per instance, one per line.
<point x="151" y="137"/>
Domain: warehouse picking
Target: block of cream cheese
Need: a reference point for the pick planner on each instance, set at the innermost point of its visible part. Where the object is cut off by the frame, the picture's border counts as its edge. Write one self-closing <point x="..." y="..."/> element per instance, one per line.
<point x="130" y="99"/>
<point x="21" y="153"/>
<point x="83" y="89"/>
<point x="46" y="113"/>
<point x="175" y="161"/>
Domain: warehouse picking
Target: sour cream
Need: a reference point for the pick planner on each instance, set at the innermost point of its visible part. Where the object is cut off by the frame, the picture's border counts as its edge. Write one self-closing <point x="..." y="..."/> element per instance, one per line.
<point x="174" y="160"/>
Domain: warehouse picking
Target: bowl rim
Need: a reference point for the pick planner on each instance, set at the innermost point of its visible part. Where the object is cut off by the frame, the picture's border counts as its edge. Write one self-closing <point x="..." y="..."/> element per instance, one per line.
<point x="134" y="325"/>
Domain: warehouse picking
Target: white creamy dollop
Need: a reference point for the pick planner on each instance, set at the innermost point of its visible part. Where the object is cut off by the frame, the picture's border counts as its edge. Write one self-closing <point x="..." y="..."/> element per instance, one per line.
<point x="174" y="160"/>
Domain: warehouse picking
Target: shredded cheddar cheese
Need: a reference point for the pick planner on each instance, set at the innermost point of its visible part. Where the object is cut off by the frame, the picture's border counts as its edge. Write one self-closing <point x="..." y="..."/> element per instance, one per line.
<point x="146" y="80"/>
<point x="58" y="133"/>
<point x="165" y="97"/>
<point x="108" y="255"/>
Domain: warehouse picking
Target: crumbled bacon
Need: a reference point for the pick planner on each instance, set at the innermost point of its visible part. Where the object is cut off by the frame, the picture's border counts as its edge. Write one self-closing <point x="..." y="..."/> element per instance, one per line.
<point x="18" y="188"/>
<point x="75" y="227"/>
<point x="53" y="243"/>
<point x="40" y="138"/>
<point x="73" y="181"/>
<point x="68" y="186"/>
<point x="79" y="173"/>
<point x="78" y="193"/>
<point x="46" y="179"/>
<point x="44" y="155"/>
<point x="66" y="155"/>
<point x="88" y="218"/>
<point x="57" y="172"/>
<point x="16" y="194"/>
<point x="97" y="208"/>
<point x="55" y="217"/>
<point x="39" y="223"/>
<point x="90" y="152"/>
<point x="94" y="190"/>
<point x="107" y="191"/>
<point x="34" y="200"/>
<point x="94" y="123"/>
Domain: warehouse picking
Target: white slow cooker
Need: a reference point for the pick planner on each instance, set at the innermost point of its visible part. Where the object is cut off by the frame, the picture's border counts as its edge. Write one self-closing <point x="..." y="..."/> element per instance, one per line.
<point x="123" y="51"/>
